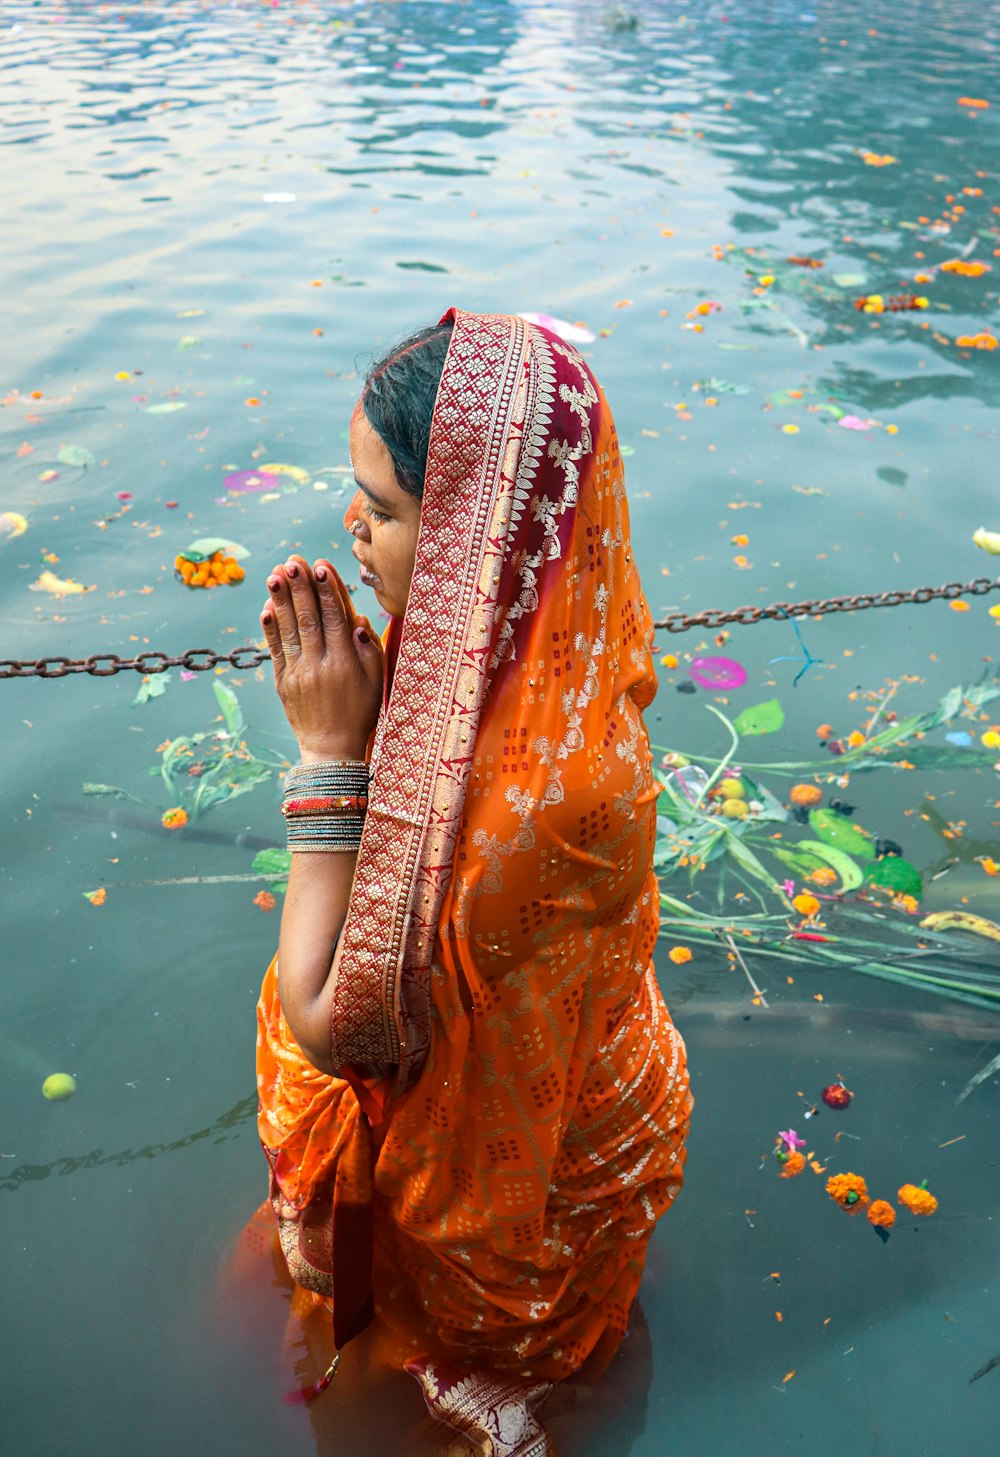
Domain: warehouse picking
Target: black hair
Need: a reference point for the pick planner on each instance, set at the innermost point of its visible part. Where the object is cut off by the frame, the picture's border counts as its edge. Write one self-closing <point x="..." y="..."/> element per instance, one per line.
<point x="398" y="400"/>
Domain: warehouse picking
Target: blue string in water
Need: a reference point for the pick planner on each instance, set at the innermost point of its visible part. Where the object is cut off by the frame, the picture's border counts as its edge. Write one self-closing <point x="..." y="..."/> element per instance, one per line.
<point x="794" y="658"/>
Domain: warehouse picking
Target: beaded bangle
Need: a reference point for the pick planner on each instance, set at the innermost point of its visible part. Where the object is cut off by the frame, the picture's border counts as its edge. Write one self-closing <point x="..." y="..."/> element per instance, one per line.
<point x="325" y="804"/>
<point x="345" y="776"/>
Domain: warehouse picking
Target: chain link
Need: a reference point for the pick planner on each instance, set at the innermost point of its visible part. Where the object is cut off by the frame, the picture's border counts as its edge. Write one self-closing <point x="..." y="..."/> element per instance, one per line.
<point x="204" y="660"/>
<point x="682" y="622"/>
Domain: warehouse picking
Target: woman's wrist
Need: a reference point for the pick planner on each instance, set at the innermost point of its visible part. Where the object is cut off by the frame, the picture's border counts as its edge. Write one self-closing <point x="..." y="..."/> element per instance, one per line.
<point x="349" y="751"/>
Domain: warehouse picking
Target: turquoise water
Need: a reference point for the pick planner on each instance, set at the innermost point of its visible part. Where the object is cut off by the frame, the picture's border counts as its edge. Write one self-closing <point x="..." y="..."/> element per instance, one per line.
<point x="225" y="204"/>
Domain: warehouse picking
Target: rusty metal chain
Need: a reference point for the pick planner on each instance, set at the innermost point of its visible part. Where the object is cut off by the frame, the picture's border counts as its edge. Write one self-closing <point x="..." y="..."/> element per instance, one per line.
<point x="681" y="622"/>
<point x="105" y="665"/>
<point x="204" y="660"/>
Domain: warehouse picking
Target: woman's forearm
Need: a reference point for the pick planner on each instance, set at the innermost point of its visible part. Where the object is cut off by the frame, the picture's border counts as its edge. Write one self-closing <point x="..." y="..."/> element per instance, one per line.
<point x="319" y="888"/>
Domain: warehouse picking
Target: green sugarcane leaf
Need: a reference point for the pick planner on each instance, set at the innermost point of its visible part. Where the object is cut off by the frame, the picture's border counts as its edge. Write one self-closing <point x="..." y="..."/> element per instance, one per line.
<point x="111" y="790"/>
<point x="833" y="829"/>
<point x="847" y="869"/>
<point x="745" y="857"/>
<point x="803" y="862"/>
<point x="231" y="711"/>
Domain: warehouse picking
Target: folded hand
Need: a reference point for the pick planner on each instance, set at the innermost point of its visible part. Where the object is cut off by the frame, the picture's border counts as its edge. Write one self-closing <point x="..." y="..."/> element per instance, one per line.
<point x="327" y="661"/>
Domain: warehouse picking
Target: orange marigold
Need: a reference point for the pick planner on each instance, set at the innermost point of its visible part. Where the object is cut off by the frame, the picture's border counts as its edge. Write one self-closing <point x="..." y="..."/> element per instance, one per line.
<point x="807" y="905"/>
<point x="174" y="819"/>
<point x="792" y="1165"/>
<point x="881" y="1214"/>
<point x="679" y="954"/>
<point x="96" y="897"/>
<point x="849" y="1191"/>
<point x="917" y="1199"/>
<point x="265" y="900"/>
<point x="805" y="794"/>
<point x="823" y="876"/>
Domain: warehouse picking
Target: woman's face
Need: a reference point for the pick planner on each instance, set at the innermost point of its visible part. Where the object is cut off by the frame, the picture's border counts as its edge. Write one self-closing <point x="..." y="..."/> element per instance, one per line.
<point x="383" y="519"/>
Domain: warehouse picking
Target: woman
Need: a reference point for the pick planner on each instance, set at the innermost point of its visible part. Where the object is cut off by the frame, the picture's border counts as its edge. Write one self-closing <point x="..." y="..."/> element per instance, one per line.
<point x="473" y="1101"/>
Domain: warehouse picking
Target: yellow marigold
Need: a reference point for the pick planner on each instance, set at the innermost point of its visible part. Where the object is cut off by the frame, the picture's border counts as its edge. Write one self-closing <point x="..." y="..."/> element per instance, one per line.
<point x="848" y="1190"/>
<point x="881" y="1214"/>
<point x="792" y="1165"/>
<point x="265" y="900"/>
<point x="855" y="739"/>
<point x="917" y="1199"/>
<point x="174" y="819"/>
<point x="805" y="794"/>
<point x="805" y="904"/>
<point x="680" y="954"/>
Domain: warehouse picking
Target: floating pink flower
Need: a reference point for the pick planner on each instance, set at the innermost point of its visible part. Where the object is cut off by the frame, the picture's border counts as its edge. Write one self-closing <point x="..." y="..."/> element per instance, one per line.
<point x="718" y="672"/>
<point x="792" y="1139"/>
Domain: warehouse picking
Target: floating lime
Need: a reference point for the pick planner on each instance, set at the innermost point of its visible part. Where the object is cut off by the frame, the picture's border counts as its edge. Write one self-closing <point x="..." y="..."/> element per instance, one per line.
<point x="58" y="1086"/>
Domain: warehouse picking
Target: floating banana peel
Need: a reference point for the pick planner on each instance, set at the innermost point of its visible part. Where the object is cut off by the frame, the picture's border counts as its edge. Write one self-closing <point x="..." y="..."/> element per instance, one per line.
<point x="988" y="540"/>
<point x="961" y="921"/>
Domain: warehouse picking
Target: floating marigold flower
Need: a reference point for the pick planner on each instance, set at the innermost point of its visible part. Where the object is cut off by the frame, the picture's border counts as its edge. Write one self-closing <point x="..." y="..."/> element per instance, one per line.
<point x="974" y="101"/>
<point x="881" y="1214"/>
<point x="855" y="739"/>
<point x="917" y="1198"/>
<point x="807" y="905"/>
<point x="823" y="875"/>
<point x="174" y="819"/>
<point x="96" y="897"/>
<point x="988" y="863"/>
<point x="806" y="793"/>
<point x="265" y="900"/>
<point x="873" y="159"/>
<point x="825" y="731"/>
<point x="982" y="340"/>
<point x="836" y="1096"/>
<point x="964" y="268"/>
<point x="680" y="954"/>
<point x="792" y="1164"/>
<point x="849" y="1191"/>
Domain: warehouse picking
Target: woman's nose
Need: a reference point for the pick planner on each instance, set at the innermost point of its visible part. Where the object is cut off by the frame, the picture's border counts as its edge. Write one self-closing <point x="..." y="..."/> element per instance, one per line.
<point x="353" y="520"/>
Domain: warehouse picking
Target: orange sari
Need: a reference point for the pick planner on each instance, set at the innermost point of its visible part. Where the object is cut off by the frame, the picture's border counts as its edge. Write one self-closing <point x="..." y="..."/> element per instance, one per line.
<point x="509" y="1120"/>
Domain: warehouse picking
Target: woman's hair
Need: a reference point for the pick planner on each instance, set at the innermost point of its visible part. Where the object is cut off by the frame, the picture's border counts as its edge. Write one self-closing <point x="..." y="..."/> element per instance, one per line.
<point x="398" y="400"/>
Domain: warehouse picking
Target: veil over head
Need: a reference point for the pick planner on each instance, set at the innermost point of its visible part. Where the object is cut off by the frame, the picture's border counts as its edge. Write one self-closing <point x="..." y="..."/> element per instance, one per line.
<point x="510" y="744"/>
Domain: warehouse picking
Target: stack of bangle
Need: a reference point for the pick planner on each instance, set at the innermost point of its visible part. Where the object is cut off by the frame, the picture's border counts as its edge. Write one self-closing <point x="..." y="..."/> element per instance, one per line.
<point x="325" y="805"/>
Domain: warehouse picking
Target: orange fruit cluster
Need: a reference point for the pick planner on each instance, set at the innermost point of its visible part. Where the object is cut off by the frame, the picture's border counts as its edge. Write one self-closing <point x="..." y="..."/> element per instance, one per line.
<point x="217" y="570"/>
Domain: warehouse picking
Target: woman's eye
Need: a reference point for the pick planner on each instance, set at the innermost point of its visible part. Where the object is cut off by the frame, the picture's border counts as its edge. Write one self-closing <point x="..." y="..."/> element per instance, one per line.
<point x="377" y="515"/>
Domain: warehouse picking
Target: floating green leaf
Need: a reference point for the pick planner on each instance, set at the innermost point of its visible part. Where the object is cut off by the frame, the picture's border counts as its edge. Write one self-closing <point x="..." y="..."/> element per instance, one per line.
<point x="205" y="546"/>
<point x="272" y="862"/>
<point x="833" y="829"/>
<point x="112" y="791"/>
<point x="231" y="711"/>
<point x="895" y="874"/>
<point x="152" y="687"/>
<point x="761" y="718"/>
<point x="847" y="869"/>
<point x="75" y="455"/>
